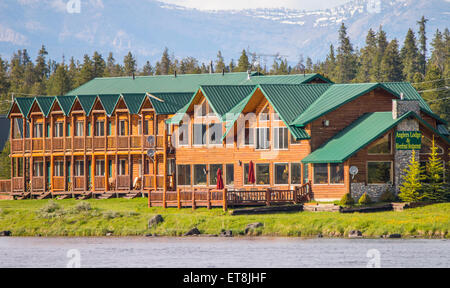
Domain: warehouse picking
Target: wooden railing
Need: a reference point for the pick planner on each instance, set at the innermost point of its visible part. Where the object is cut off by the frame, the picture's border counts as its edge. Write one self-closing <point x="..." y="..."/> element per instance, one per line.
<point x="58" y="183"/>
<point x="5" y="186"/>
<point x="195" y="197"/>
<point x="136" y="141"/>
<point x="68" y="143"/>
<point x="58" y="144"/>
<point x="18" y="184"/>
<point x="123" y="182"/>
<point x="78" y="143"/>
<point x="99" y="182"/>
<point x="122" y="142"/>
<point x="78" y="183"/>
<point x="37" y="144"/>
<point x="17" y="146"/>
<point x="99" y="142"/>
<point x="38" y="183"/>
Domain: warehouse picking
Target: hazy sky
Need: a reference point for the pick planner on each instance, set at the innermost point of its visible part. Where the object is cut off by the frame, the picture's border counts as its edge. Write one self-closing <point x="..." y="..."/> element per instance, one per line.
<point x="245" y="4"/>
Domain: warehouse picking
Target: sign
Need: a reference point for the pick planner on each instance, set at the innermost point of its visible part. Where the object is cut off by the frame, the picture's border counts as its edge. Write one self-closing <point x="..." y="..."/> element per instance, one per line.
<point x="408" y="140"/>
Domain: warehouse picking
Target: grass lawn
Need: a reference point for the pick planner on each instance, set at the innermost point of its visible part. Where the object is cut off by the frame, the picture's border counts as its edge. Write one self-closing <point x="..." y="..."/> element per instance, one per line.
<point x="124" y="217"/>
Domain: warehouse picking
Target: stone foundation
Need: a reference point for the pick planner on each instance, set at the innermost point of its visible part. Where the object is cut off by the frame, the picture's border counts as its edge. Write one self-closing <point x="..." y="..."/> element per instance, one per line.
<point x="374" y="191"/>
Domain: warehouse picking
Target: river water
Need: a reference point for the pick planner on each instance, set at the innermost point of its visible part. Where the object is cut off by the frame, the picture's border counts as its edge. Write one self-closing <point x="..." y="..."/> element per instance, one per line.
<point x="222" y="252"/>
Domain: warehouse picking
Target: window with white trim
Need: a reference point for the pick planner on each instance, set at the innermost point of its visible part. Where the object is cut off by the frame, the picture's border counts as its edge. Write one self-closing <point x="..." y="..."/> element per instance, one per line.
<point x="262" y="138"/>
<point x="280" y="138"/>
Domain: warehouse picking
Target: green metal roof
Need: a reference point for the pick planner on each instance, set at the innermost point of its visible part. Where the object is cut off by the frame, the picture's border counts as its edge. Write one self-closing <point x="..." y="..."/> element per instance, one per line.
<point x="443" y="130"/>
<point x="66" y="103"/>
<point x="24" y="104"/>
<point x="183" y="82"/>
<point x="45" y="104"/>
<point x="134" y="102"/>
<point x="358" y="135"/>
<point x="87" y="102"/>
<point x="109" y="102"/>
<point x="171" y="102"/>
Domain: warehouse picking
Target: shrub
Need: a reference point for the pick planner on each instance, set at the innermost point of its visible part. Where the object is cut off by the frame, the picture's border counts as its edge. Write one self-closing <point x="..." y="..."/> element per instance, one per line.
<point x="50" y="207"/>
<point x="111" y="214"/>
<point x="347" y="200"/>
<point x="364" y="199"/>
<point x="387" y="196"/>
<point x="83" y="206"/>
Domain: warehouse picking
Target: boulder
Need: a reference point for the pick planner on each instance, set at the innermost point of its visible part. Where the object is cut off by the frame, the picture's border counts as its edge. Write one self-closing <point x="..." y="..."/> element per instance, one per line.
<point x="252" y="226"/>
<point x="5" y="233"/>
<point x="155" y="220"/>
<point x="395" y="236"/>
<point x="192" y="232"/>
<point x="354" y="234"/>
<point x="226" y="233"/>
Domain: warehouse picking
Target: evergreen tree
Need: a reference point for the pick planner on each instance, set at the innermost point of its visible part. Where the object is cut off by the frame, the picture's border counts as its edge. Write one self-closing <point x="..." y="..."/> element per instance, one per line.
<point x="4" y="86"/>
<point x="391" y="65"/>
<point x="147" y="70"/>
<point x="231" y="66"/>
<point x="5" y="162"/>
<point x="309" y="65"/>
<point x="189" y="65"/>
<point x="59" y="83"/>
<point x="346" y="61"/>
<point x="99" y="65"/>
<point x="330" y="63"/>
<point x="129" y="64"/>
<point x="409" y="56"/>
<point x="411" y="188"/>
<point x="423" y="45"/>
<point x="382" y="43"/>
<point x="220" y="63"/>
<point x="163" y="66"/>
<point x="86" y="72"/>
<point x="243" y="63"/>
<point x="112" y="69"/>
<point x="368" y="58"/>
<point x="433" y="187"/>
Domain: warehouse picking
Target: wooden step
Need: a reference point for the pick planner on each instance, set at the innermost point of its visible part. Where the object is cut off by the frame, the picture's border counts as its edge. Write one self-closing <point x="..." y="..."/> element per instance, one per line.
<point x="85" y="196"/>
<point x="106" y="196"/>
<point x="65" y="196"/>
<point x="44" y="195"/>
<point x="132" y="195"/>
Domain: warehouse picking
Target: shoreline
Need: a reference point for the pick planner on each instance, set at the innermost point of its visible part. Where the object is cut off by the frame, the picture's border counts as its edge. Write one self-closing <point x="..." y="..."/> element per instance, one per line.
<point x="130" y="218"/>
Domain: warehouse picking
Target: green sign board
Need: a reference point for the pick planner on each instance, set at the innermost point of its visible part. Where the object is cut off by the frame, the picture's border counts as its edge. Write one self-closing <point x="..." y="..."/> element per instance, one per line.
<point x="408" y="140"/>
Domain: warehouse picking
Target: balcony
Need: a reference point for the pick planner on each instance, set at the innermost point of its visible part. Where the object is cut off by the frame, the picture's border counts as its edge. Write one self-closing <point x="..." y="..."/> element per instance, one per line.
<point x="58" y="183"/>
<point x="99" y="183"/>
<point x="99" y="144"/>
<point x="78" y="143"/>
<point x="58" y="144"/>
<point x="38" y="183"/>
<point x="38" y="144"/>
<point x="123" y="182"/>
<point x="78" y="183"/>
<point x="17" y="146"/>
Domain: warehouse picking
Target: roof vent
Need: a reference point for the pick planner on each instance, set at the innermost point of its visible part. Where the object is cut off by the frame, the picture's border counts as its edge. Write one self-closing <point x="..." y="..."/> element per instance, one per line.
<point x="248" y="75"/>
<point x="211" y="67"/>
<point x="134" y="77"/>
<point x="175" y="73"/>
<point x="223" y="72"/>
<point x="402" y="96"/>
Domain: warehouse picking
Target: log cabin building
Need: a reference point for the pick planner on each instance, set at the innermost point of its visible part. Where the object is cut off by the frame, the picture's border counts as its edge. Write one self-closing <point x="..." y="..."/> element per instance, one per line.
<point x="153" y="135"/>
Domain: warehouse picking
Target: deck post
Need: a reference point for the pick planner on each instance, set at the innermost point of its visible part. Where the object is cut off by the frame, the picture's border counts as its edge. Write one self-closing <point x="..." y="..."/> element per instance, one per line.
<point x="179" y="198"/>
<point x="268" y="196"/>
<point x="224" y="199"/>
<point x="295" y="195"/>
<point x="165" y="167"/>
<point x="193" y="198"/>
<point x="106" y="173"/>
<point x="208" y="198"/>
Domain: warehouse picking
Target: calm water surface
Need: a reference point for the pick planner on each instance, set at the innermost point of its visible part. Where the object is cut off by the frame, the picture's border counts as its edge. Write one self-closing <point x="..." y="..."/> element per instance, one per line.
<point x="222" y="252"/>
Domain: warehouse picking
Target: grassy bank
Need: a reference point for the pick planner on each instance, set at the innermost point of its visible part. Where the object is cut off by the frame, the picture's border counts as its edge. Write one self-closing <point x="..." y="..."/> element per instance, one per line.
<point x="123" y="217"/>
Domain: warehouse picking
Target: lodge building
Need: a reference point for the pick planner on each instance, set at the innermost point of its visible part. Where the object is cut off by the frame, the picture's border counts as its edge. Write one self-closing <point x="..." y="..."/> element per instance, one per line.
<point x="155" y="135"/>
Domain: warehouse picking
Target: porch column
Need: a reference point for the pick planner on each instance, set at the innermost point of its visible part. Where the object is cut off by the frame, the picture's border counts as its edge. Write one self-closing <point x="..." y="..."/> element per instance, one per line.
<point x="106" y="173"/>
<point x="93" y="172"/>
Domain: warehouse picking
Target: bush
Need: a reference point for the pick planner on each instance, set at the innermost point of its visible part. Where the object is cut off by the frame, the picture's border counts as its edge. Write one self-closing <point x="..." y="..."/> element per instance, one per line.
<point x="83" y="206"/>
<point x="387" y="196"/>
<point x="111" y="214"/>
<point x="347" y="200"/>
<point x="365" y="199"/>
<point x="50" y="207"/>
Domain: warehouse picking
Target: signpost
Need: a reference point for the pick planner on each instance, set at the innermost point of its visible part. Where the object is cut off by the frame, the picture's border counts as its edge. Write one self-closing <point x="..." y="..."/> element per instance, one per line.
<point x="408" y="140"/>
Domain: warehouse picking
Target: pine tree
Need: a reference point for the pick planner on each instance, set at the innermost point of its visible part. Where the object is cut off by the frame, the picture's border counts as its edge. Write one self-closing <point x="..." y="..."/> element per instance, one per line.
<point x="220" y="63"/>
<point x="99" y="65"/>
<point x="423" y="45"/>
<point x="409" y="55"/>
<point x="330" y="63"/>
<point x="86" y="72"/>
<point x="4" y="86"/>
<point x="309" y="65"/>
<point x="112" y="69"/>
<point x="147" y="70"/>
<point x="368" y="57"/>
<point x="391" y="65"/>
<point x="41" y="68"/>
<point x="411" y="188"/>
<point x="382" y="43"/>
<point x="243" y="63"/>
<point x="163" y="66"/>
<point x="433" y="187"/>
<point x="231" y="66"/>
<point x="5" y="162"/>
<point x="59" y="83"/>
<point x="346" y="61"/>
<point x="129" y="64"/>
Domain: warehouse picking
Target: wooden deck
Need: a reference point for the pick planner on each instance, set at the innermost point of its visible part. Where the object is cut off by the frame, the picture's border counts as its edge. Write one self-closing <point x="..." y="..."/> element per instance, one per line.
<point x="191" y="197"/>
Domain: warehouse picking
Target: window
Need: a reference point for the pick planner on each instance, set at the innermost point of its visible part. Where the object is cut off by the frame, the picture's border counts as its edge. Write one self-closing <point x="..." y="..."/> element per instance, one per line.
<point x="215" y="134"/>
<point x="296" y="173"/>
<point x="200" y="173"/>
<point x="58" y="169"/>
<point x="109" y="128"/>
<point x="145" y="127"/>
<point x="79" y="168"/>
<point x="249" y="136"/>
<point x="139" y="127"/>
<point x="381" y="146"/>
<point x="183" y="136"/>
<point x="379" y="172"/>
<point x="280" y="138"/>
<point x="320" y="173"/>
<point x="264" y="114"/>
<point x="122" y="167"/>
<point x="199" y="134"/>
<point x="100" y="128"/>
<point x="88" y="132"/>
<point x="59" y="126"/>
<point x="427" y="144"/>
<point x="68" y="129"/>
<point x="336" y="173"/>
<point x="38" y="130"/>
<point x="262" y="174"/>
<point x="122" y="129"/>
<point x="246" y="169"/>
<point x="171" y="166"/>
<point x="276" y="117"/>
<point x="79" y="129"/>
<point x="305" y="173"/>
<point x="48" y="132"/>
<point x="281" y="173"/>
<point x="230" y="174"/>
<point x="18" y="128"/>
<point x="38" y="169"/>
<point x="100" y="168"/>
<point x="262" y="138"/>
<point x="184" y="174"/>
<point x="213" y="173"/>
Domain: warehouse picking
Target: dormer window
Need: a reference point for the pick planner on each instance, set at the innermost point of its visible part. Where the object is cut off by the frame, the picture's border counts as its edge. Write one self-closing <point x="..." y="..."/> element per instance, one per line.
<point x="264" y="114"/>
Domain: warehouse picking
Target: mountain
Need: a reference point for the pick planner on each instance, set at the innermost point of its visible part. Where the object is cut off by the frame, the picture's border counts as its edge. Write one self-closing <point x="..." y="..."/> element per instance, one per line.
<point x="145" y="27"/>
